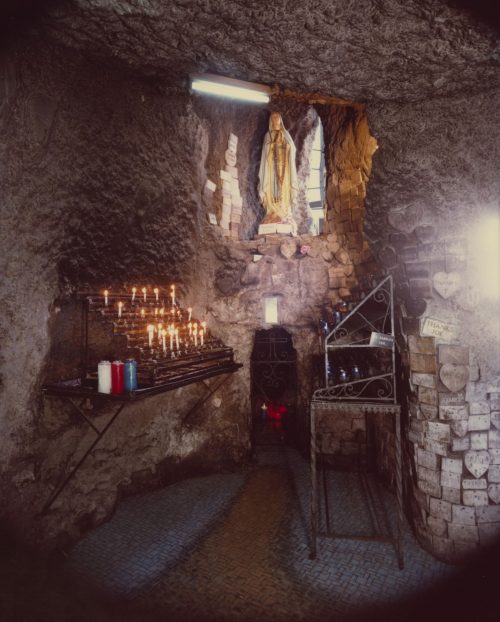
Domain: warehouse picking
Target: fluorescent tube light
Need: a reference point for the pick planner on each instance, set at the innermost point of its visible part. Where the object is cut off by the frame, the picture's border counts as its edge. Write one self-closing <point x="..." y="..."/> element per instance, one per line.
<point x="228" y="87"/>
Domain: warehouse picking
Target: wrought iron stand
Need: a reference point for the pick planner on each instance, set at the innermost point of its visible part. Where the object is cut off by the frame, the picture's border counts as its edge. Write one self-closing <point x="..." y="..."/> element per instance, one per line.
<point x="368" y="328"/>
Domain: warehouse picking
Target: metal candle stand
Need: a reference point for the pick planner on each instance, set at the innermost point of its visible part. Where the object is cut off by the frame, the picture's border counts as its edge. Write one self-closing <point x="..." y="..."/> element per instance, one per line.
<point x="156" y="374"/>
<point x="368" y="327"/>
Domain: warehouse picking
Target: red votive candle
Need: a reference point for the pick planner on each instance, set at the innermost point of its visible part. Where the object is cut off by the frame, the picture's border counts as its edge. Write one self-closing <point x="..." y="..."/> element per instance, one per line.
<point x="117" y="378"/>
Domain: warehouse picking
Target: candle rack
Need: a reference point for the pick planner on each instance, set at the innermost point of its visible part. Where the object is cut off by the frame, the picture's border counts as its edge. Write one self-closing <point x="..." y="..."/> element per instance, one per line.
<point x="168" y="363"/>
<point x="161" y="360"/>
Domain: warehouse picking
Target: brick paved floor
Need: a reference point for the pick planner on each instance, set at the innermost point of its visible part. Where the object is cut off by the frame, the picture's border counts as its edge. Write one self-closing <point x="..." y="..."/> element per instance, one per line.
<point x="235" y="547"/>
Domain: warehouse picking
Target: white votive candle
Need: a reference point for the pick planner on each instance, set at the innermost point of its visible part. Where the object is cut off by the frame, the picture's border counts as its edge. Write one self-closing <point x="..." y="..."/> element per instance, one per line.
<point x="120" y="307"/>
<point x="156" y="291"/>
<point x="176" y="332"/>
<point x="104" y="377"/>
<point x="190" y="313"/>
<point x="144" y="293"/>
<point x="106" y="297"/>
<point x="134" y="291"/>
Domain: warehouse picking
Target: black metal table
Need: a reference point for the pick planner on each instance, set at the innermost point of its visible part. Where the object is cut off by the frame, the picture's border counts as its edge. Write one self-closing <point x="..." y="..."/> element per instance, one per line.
<point x="73" y="392"/>
<point x="327" y="408"/>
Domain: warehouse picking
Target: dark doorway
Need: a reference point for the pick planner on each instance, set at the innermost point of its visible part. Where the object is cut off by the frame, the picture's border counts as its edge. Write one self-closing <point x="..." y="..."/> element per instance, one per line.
<point x="273" y="388"/>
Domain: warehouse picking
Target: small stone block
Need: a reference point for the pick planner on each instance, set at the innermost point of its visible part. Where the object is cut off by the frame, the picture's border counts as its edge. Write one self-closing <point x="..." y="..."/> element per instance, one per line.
<point x="450" y="480"/>
<point x="454" y="412"/>
<point x="427" y="396"/>
<point x="427" y="459"/>
<point x="476" y="391"/>
<point x="479" y="408"/>
<point x="460" y="444"/>
<point x="438" y="431"/>
<point x="494" y="474"/>
<point x="457" y="355"/>
<point x="421" y="345"/>
<point x="494" y="456"/>
<point x="479" y="440"/>
<point x="454" y="465"/>
<point x="463" y="515"/>
<point x="428" y="412"/>
<point x="474" y="484"/>
<point x="494" y="439"/>
<point x="440" y="509"/>
<point x="465" y="533"/>
<point x="424" y="363"/>
<point x="488" y="514"/>
<point x="429" y="475"/>
<point x="478" y="423"/>
<point x="451" y="399"/>
<point x="451" y="494"/>
<point x="435" y="446"/>
<point x="476" y="498"/>
<point x="438" y="526"/>
<point x="424" y="380"/>
<point x="429" y="488"/>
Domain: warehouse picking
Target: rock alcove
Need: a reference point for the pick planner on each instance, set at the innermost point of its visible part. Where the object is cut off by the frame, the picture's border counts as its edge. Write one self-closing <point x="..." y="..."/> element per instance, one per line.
<point x="106" y="155"/>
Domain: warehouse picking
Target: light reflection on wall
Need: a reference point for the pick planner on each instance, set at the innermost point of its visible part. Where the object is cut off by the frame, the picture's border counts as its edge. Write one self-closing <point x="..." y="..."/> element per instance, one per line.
<point x="484" y="243"/>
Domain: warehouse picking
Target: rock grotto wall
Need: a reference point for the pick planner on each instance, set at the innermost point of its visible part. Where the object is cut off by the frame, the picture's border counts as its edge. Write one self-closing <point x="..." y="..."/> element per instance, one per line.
<point x="102" y="187"/>
<point x="433" y="180"/>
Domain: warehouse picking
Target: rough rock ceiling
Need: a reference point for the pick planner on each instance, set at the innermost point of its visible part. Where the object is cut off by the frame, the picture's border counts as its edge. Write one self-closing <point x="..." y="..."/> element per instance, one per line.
<point x="374" y="49"/>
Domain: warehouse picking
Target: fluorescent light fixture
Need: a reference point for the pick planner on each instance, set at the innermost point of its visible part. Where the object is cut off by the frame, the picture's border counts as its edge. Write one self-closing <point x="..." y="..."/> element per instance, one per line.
<point x="229" y="87"/>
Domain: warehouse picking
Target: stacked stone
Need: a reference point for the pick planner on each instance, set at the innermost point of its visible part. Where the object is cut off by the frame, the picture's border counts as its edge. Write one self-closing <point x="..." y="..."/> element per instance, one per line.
<point x="345" y="202"/>
<point x="455" y="433"/>
<point x="232" y="202"/>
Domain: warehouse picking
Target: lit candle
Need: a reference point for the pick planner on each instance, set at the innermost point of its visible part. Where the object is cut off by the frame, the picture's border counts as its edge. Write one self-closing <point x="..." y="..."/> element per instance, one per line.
<point x="151" y="330"/>
<point x="171" y="333"/>
<point x="202" y="332"/>
<point x="190" y="312"/>
<point x="144" y="292"/>
<point x="106" y="297"/>
<point x="120" y="307"/>
<point x="160" y="326"/>
<point x="172" y="294"/>
<point x="134" y="291"/>
<point x="204" y="325"/>
<point x="143" y="312"/>
<point x="190" y="327"/>
<point x="156" y="310"/>
<point x="195" y="333"/>
<point x="163" y="336"/>
<point x="176" y="332"/>
<point x="156" y="291"/>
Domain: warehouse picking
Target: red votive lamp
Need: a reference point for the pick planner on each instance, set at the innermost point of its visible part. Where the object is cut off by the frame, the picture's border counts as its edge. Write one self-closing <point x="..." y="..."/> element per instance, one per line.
<point x="117" y="378"/>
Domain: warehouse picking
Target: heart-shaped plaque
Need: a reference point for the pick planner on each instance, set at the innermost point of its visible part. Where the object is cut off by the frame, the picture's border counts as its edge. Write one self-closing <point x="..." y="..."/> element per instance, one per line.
<point x="459" y="428"/>
<point x="477" y="462"/>
<point x="447" y="283"/>
<point x="495" y="419"/>
<point x="407" y="219"/>
<point x="454" y="377"/>
<point x="494" y="492"/>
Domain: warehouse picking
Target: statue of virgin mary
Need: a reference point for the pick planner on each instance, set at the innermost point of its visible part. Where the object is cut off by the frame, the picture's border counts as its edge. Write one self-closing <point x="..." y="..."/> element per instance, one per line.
<point x="278" y="174"/>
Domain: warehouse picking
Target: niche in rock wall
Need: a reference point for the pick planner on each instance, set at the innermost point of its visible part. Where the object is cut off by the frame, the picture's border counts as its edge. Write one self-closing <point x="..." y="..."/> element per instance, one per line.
<point x="333" y="151"/>
<point x="273" y="388"/>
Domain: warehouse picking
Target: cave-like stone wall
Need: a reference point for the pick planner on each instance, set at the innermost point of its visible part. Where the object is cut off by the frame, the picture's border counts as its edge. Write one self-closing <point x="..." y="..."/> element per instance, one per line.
<point x="433" y="180"/>
<point x="102" y="187"/>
